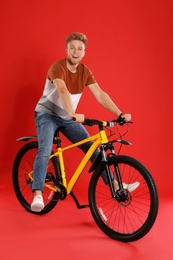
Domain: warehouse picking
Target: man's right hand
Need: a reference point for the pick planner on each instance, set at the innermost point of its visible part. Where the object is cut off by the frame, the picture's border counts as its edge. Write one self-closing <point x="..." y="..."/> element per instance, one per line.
<point x="79" y="118"/>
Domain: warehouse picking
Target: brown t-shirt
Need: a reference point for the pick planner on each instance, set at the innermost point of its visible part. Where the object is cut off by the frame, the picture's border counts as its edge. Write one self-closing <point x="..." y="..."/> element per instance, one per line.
<point x="75" y="82"/>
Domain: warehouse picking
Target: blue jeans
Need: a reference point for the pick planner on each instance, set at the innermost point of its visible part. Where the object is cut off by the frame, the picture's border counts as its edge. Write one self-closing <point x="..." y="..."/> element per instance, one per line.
<point x="46" y="125"/>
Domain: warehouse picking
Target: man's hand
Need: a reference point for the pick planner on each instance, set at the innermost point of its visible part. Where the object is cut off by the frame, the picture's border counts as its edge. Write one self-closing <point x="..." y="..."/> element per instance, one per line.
<point x="127" y="117"/>
<point x="79" y="118"/>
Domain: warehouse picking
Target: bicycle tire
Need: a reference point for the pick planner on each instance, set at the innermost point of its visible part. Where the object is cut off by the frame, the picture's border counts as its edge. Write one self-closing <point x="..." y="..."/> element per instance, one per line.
<point x="23" y="164"/>
<point x="133" y="219"/>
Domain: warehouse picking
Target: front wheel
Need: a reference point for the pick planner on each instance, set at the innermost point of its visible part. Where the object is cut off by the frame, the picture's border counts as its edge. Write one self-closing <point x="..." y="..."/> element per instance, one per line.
<point x="22" y="183"/>
<point x="127" y="220"/>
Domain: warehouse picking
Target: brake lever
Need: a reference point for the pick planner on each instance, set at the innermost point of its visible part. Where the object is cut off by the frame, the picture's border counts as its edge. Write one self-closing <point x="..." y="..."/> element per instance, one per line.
<point x="121" y="121"/>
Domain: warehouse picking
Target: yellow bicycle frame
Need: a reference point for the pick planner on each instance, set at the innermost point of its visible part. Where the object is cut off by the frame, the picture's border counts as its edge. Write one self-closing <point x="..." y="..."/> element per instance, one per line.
<point x="100" y="138"/>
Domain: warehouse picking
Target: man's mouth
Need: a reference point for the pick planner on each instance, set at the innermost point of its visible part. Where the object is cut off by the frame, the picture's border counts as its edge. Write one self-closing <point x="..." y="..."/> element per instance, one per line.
<point x="75" y="57"/>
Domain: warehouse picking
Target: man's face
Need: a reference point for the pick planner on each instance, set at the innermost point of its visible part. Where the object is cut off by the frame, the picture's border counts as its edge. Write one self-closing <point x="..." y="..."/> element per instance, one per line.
<point x="75" y="51"/>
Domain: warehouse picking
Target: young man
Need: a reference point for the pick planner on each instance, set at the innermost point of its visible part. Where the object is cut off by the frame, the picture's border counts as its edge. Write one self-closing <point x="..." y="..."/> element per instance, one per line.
<point x="64" y="85"/>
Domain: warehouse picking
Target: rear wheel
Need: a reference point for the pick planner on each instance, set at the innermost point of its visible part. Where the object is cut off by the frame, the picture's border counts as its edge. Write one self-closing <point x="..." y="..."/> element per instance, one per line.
<point x="131" y="218"/>
<point x="22" y="183"/>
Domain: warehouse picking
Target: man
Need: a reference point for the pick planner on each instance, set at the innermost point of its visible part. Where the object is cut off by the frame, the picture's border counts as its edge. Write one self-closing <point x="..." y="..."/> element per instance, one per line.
<point x="65" y="82"/>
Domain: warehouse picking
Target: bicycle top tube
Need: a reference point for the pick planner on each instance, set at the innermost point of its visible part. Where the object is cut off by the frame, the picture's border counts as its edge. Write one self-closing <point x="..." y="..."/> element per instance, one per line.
<point x="101" y="136"/>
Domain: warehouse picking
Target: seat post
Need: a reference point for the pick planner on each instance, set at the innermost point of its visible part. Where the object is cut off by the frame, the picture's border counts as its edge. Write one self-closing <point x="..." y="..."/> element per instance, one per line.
<point x="57" y="140"/>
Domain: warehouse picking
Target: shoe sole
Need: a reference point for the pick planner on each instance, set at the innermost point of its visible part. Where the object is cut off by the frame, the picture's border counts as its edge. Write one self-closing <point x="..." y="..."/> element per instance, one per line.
<point x="37" y="207"/>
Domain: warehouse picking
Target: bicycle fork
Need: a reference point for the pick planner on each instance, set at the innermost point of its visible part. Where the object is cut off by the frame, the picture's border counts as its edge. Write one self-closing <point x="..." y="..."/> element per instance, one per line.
<point x="109" y="175"/>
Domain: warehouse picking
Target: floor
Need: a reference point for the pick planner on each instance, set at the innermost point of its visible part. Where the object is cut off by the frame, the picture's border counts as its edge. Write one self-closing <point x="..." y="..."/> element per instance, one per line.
<point x="69" y="233"/>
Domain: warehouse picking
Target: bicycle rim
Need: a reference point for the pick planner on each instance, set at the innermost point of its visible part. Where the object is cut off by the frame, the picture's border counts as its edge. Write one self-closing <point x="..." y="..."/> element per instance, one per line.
<point x="129" y="220"/>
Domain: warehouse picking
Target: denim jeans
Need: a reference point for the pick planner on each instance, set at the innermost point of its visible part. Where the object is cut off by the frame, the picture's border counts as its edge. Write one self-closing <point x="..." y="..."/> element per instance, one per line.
<point x="46" y="125"/>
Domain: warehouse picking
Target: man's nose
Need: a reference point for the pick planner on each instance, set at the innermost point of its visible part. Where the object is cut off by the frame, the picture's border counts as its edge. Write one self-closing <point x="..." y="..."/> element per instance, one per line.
<point x="76" y="50"/>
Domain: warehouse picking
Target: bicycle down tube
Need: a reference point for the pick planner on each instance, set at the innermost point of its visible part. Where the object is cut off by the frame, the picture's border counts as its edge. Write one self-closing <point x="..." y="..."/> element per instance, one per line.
<point x="98" y="139"/>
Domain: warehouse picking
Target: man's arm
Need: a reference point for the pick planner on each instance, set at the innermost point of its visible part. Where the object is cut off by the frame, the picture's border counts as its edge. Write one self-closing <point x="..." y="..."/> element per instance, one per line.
<point x="104" y="99"/>
<point x="66" y="100"/>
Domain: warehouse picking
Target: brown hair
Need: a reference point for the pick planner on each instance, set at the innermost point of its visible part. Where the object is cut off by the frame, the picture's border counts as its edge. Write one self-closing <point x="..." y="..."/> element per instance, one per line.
<point x="76" y="36"/>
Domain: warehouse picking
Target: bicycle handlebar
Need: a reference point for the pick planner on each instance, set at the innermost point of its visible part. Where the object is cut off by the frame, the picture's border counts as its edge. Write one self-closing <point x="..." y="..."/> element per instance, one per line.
<point x="91" y="122"/>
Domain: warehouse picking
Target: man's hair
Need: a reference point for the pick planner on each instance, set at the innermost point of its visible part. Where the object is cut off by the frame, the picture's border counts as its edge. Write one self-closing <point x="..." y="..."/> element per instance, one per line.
<point x="76" y="36"/>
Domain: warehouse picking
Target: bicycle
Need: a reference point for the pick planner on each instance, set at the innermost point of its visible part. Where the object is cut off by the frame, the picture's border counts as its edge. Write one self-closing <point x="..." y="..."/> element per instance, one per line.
<point x="121" y="215"/>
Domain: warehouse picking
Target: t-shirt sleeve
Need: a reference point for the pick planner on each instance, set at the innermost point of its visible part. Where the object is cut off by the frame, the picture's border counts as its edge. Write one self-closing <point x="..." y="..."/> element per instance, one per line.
<point x="91" y="78"/>
<point x="56" y="71"/>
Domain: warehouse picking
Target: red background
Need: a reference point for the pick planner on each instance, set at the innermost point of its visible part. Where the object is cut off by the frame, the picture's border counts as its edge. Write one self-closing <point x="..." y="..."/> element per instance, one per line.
<point x="130" y="53"/>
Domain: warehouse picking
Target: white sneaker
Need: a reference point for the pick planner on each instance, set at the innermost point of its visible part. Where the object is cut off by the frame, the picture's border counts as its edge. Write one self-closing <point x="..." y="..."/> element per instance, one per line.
<point x="131" y="187"/>
<point x="37" y="204"/>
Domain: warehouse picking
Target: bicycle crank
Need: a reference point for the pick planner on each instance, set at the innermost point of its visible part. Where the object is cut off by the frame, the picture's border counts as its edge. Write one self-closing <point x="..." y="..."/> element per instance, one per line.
<point x="61" y="191"/>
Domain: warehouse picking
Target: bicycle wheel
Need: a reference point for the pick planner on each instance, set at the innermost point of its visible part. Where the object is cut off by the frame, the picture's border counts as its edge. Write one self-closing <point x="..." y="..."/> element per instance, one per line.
<point x="132" y="218"/>
<point x="23" y="165"/>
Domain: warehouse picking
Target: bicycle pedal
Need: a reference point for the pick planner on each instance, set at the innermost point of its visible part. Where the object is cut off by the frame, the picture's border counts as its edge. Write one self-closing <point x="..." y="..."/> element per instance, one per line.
<point x="49" y="177"/>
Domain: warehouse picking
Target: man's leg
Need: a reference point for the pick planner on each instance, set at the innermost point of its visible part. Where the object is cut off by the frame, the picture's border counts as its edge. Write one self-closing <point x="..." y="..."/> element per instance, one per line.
<point x="76" y="132"/>
<point x="46" y="126"/>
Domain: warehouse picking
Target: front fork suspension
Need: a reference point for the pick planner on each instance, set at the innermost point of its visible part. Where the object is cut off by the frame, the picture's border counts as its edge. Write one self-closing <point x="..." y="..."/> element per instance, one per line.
<point x="105" y="159"/>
